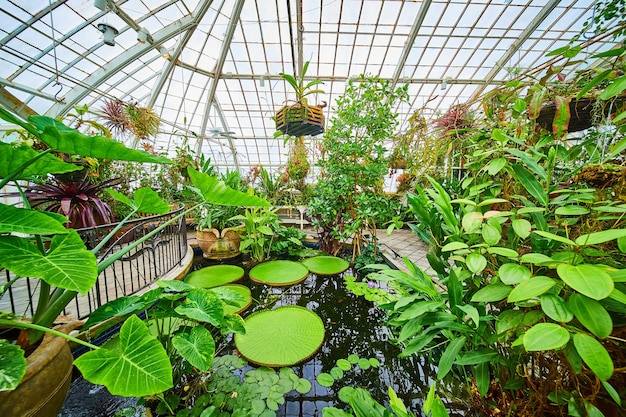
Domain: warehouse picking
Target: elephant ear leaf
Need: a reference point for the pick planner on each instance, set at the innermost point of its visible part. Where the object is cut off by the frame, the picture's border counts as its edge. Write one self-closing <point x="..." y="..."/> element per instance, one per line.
<point x="13" y="365"/>
<point x="217" y="192"/>
<point x="65" y="139"/>
<point x="19" y="163"/>
<point x="138" y="367"/>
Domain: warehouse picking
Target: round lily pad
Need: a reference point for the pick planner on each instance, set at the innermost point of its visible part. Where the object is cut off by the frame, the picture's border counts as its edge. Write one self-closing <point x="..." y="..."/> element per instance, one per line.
<point x="241" y="305"/>
<point x="214" y="276"/>
<point x="326" y="265"/>
<point x="284" y="336"/>
<point x="277" y="273"/>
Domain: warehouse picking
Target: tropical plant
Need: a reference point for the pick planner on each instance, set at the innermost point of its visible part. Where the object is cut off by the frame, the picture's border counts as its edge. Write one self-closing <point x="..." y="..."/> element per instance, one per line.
<point x="301" y="88"/>
<point x="354" y="163"/>
<point x="79" y="201"/>
<point x="259" y="225"/>
<point x="24" y="253"/>
<point x="129" y="118"/>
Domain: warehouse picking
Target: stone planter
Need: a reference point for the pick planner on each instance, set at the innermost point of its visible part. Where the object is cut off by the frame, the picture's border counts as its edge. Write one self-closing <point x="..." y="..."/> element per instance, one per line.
<point x="216" y="245"/>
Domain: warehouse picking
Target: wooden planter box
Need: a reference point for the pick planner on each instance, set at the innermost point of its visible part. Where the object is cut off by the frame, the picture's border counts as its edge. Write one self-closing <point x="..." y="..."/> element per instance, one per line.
<point x="300" y="120"/>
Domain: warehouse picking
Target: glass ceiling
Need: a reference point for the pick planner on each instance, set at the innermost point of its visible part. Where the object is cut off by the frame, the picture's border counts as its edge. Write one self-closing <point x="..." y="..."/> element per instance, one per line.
<point x="219" y="87"/>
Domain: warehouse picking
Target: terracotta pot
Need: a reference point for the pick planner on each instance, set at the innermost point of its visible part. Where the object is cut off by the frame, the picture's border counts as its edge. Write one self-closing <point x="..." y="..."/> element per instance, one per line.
<point x="46" y="382"/>
<point x="219" y="246"/>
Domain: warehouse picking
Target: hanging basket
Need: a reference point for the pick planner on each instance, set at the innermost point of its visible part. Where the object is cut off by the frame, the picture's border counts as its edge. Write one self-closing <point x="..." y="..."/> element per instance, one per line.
<point x="582" y="113"/>
<point x="300" y="120"/>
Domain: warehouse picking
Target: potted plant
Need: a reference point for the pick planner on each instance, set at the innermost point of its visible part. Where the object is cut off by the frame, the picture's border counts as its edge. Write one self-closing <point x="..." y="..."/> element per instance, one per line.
<point x="37" y="245"/>
<point x="216" y="239"/>
<point x="300" y="118"/>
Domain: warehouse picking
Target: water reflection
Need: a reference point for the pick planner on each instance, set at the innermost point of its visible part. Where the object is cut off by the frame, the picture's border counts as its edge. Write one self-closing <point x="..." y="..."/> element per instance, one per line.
<point x="353" y="326"/>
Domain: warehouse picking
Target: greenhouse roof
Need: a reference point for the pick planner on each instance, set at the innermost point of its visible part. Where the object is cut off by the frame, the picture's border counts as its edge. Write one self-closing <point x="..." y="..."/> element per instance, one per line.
<point x="210" y="69"/>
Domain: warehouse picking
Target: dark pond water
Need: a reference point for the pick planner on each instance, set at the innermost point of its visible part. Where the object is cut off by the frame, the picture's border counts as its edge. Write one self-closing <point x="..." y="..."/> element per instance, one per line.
<point x="353" y="326"/>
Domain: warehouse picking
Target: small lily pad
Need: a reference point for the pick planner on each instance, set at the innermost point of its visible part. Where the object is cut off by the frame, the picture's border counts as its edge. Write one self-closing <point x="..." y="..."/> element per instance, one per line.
<point x="353" y="359"/>
<point x="336" y="373"/>
<point x="214" y="276"/>
<point x="344" y="364"/>
<point x="326" y="265"/>
<point x="325" y="380"/>
<point x="364" y="364"/>
<point x="374" y="362"/>
<point x="304" y="386"/>
<point x="277" y="273"/>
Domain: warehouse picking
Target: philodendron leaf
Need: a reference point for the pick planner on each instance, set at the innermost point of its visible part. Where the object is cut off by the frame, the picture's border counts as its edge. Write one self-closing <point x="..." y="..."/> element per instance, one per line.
<point x="68" y="264"/>
<point x="600" y="237"/>
<point x="141" y="367"/>
<point x="522" y="227"/>
<point x="556" y="308"/>
<point x="594" y="355"/>
<point x="589" y="280"/>
<point x="591" y="314"/>
<point x="12" y="158"/>
<point x="197" y="346"/>
<point x="12" y="365"/>
<point x="449" y="356"/>
<point x="20" y="220"/>
<point x="530" y="288"/>
<point x="65" y="139"/>
<point x="545" y="336"/>
<point x="511" y="273"/>
<point x="476" y="262"/>
<point x="202" y="305"/>
<point x="491" y="293"/>
<point x="217" y="192"/>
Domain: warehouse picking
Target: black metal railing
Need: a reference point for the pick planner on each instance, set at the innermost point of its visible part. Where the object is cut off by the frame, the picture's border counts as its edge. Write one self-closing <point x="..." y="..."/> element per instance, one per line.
<point x="136" y="270"/>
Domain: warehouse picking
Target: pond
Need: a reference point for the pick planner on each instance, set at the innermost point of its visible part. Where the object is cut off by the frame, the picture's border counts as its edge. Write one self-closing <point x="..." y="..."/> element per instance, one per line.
<point x="353" y="326"/>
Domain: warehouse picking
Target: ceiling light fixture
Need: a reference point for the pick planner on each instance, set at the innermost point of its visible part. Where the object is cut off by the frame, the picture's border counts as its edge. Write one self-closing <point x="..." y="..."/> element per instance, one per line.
<point x="109" y="33"/>
<point x="262" y="82"/>
<point x="165" y="53"/>
<point x="100" y="4"/>
<point x="144" y="36"/>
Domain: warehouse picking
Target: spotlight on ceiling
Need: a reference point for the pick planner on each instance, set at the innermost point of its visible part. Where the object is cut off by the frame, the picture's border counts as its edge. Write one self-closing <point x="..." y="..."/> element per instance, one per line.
<point x="100" y="4"/>
<point x="144" y="36"/>
<point x="109" y="33"/>
<point x="165" y="53"/>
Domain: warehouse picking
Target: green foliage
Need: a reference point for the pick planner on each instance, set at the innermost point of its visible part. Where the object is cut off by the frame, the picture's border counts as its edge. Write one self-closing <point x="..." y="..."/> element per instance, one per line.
<point x="349" y="197"/>
<point x="66" y="267"/>
<point x="259" y="226"/>
<point x="327" y="379"/>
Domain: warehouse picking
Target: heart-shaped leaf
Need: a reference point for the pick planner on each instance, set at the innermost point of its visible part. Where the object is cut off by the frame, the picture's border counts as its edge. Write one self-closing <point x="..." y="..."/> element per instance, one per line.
<point x="68" y="264"/>
<point x="530" y="288"/>
<point x="141" y="367"/>
<point x="13" y="365"/>
<point x="197" y="346"/>
<point x="202" y="305"/>
<point x="511" y="273"/>
<point x="30" y="222"/>
<point x="545" y="336"/>
<point x="589" y="280"/>
<point x="591" y="314"/>
<point x="476" y="262"/>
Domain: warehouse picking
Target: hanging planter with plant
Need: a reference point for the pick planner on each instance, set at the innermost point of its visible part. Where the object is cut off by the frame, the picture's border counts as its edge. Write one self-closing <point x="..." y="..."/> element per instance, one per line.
<point x="301" y="119"/>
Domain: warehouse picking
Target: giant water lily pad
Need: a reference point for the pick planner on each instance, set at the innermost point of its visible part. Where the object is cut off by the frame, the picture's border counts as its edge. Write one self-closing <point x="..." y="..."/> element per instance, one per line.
<point x="214" y="276"/>
<point x="326" y="265"/>
<point x="284" y="336"/>
<point x="243" y="291"/>
<point x="278" y="273"/>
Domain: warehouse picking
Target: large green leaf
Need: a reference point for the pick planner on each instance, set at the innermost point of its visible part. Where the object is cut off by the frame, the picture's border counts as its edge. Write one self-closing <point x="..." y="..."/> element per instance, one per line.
<point x="139" y="368"/>
<point x="531" y="184"/>
<point x="475" y="357"/>
<point x="20" y="220"/>
<point x="217" y="192"/>
<point x="14" y="158"/>
<point x="491" y="293"/>
<point x="65" y="139"/>
<point x="589" y="280"/>
<point x="449" y="356"/>
<point x="616" y="87"/>
<point x="202" y="305"/>
<point x="530" y="288"/>
<point x="545" y="336"/>
<point x="120" y="307"/>
<point x="600" y="237"/>
<point x="591" y="314"/>
<point x="148" y="201"/>
<point x="594" y="355"/>
<point x="197" y="346"/>
<point x="12" y="365"/>
<point x="556" y="308"/>
<point x="68" y="264"/>
<point x="419" y="308"/>
<point x="483" y="377"/>
<point x="511" y="273"/>
<point x="476" y="262"/>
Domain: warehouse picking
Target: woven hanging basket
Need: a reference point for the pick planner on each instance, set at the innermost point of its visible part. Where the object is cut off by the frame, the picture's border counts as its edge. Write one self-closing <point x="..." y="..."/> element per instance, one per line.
<point x="300" y="120"/>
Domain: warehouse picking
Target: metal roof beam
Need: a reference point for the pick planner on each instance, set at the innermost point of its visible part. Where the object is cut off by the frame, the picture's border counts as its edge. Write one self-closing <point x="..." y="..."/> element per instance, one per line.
<point x="30" y="90"/>
<point x="219" y="65"/>
<point x="419" y="20"/>
<point x="515" y="46"/>
<point x="199" y="13"/>
<point x="14" y="104"/>
<point x="119" y="62"/>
